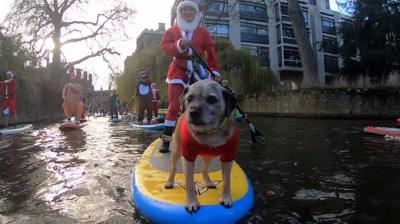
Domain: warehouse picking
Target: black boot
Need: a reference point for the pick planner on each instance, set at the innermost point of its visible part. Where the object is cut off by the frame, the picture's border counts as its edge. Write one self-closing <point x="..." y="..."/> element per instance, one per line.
<point x="166" y="139"/>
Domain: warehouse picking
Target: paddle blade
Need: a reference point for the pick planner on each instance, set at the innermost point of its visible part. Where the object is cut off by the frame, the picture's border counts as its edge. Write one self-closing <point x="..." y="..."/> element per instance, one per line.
<point x="256" y="136"/>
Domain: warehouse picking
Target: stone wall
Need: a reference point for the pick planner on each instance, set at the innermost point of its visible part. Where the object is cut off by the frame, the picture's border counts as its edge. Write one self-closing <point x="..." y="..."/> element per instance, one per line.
<point x="345" y="103"/>
<point x="39" y="95"/>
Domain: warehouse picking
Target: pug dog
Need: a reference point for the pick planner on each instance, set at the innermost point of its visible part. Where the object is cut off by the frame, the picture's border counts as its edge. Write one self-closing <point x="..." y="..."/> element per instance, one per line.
<point x="207" y="129"/>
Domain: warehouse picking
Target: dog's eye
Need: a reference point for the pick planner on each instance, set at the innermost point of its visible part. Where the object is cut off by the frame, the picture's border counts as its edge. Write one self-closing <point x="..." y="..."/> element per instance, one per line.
<point x="212" y="99"/>
<point x="190" y="98"/>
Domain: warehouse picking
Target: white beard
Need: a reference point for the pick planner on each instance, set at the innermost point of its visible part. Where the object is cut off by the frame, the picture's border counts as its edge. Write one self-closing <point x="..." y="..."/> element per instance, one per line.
<point x="191" y="26"/>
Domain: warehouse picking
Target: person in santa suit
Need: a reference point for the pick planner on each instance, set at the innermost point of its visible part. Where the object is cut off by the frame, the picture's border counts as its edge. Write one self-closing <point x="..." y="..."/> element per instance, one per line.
<point x="10" y="99"/>
<point x="156" y="99"/>
<point x="186" y="68"/>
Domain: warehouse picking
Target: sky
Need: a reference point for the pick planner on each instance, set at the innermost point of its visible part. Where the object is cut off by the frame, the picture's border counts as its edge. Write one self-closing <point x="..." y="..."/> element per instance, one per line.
<point x="148" y="15"/>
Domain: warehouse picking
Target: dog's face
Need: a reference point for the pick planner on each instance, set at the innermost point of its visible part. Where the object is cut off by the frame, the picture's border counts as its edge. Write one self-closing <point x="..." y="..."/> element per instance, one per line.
<point x="207" y="103"/>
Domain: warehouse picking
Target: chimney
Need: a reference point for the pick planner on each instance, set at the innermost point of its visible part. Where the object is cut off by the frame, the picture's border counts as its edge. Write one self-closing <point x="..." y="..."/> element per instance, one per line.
<point x="161" y="26"/>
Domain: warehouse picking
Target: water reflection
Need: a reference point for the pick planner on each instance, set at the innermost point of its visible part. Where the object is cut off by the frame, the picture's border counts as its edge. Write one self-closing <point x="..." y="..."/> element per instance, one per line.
<point x="309" y="171"/>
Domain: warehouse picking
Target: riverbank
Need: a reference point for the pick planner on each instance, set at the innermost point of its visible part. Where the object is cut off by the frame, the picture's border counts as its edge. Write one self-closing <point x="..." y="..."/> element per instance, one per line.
<point x="325" y="103"/>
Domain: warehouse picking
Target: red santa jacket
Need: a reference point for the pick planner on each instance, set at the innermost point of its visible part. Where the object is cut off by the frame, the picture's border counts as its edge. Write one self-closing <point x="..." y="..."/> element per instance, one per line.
<point x="156" y="95"/>
<point x="201" y="42"/>
<point x="9" y="88"/>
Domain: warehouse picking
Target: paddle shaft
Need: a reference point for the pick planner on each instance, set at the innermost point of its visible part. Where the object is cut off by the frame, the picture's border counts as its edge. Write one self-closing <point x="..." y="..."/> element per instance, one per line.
<point x="253" y="129"/>
<point x="212" y="75"/>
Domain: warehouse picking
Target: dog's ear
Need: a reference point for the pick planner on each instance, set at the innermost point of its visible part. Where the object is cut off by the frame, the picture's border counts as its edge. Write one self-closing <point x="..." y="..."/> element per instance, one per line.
<point x="182" y="100"/>
<point x="230" y="102"/>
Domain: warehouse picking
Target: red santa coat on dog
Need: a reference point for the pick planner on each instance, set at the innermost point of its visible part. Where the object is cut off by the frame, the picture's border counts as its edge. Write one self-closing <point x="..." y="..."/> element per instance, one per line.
<point x="201" y="41"/>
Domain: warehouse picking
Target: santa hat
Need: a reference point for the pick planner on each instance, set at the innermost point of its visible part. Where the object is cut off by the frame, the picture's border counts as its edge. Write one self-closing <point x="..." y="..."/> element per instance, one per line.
<point x="10" y="74"/>
<point x="189" y="26"/>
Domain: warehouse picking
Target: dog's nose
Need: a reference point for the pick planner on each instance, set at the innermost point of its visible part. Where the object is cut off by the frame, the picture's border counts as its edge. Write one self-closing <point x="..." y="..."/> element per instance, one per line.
<point x="194" y="114"/>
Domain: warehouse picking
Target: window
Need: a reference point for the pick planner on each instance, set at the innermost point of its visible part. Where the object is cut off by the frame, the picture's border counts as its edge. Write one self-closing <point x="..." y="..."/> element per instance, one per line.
<point x="278" y="33"/>
<point x="328" y="26"/>
<point x="218" y="30"/>
<point x="261" y="52"/>
<point x="331" y="64"/>
<point x="312" y="2"/>
<point x="305" y="15"/>
<point x="291" y="56"/>
<point x="280" y="56"/>
<point x="330" y="45"/>
<point x="253" y="11"/>
<point x="285" y="14"/>
<point x="328" y="5"/>
<point x="217" y="8"/>
<point x="277" y="13"/>
<point x="254" y="33"/>
<point x="288" y="34"/>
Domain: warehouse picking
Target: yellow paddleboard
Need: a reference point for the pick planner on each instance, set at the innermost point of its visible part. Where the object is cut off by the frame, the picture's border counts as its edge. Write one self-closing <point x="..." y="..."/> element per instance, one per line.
<point x="163" y="205"/>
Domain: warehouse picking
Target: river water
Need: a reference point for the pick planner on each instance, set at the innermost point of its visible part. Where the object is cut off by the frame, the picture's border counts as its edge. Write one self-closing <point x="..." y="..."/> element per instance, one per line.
<point x="308" y="171"/>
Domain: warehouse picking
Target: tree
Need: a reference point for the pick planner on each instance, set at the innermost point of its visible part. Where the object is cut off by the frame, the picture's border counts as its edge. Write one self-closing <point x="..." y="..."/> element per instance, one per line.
<point x="13" y="56"/>
<point x="307" y="55"/>
<point x="66" y="22"/>
<point x="244" y="71"/>
<point x="376" y="54"/>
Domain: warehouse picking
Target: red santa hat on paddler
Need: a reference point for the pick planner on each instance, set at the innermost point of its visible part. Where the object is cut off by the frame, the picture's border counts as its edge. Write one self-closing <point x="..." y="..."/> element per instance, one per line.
<point x="189" y="26"/>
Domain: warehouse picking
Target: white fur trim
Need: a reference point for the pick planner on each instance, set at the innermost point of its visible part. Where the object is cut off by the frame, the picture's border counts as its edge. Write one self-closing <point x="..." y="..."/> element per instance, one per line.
<point x="6" y="111"/>
<point x="183" y="25"/>
<point x="169" y="123"/>
<point x="176" y="81"/>
<point x="217" y="73"/>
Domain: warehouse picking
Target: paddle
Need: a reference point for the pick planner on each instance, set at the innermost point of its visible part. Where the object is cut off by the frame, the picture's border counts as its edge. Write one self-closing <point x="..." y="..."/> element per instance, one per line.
<point x="256" y="136"/>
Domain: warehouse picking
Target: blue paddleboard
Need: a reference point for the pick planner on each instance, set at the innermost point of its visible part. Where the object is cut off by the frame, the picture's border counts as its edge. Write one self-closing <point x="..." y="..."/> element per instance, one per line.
<point x="147" y="126"/>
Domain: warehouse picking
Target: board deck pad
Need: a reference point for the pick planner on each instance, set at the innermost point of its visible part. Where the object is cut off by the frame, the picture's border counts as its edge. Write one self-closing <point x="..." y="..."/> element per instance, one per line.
<point x="162" y="161"/>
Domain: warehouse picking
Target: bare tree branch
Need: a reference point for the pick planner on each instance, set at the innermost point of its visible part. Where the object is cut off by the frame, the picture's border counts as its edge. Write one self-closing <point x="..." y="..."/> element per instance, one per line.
<point x="96" y="54"/>
<point x="44" y="19"/>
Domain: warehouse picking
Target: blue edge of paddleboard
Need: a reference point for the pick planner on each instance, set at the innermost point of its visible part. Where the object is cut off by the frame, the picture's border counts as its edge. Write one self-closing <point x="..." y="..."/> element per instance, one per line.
<point x="116" y="120"/>
<point x="161" y="212"/>
<point x="148" y="126"/>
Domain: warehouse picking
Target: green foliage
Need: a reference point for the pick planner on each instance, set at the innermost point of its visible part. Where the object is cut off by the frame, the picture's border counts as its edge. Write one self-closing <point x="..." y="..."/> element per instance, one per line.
<point x="12" y="56"/>
<point x="371" y="41"/>
<point x="154" y="60"/>
<point x="243" y="71"/>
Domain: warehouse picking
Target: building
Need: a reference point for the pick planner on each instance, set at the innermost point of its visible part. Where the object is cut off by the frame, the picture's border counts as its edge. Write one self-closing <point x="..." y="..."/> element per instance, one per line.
<point x="264" y="28"/>
<point x="149" y="37"/>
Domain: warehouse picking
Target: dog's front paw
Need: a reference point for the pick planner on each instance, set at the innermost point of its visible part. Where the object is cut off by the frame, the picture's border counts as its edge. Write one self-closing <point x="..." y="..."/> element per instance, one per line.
<point x="226" y="201"/>
<point x="169" y="185"/>
<point x="192" y="205"/>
